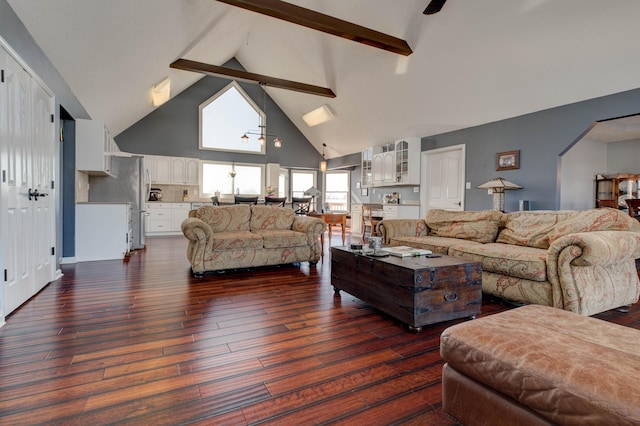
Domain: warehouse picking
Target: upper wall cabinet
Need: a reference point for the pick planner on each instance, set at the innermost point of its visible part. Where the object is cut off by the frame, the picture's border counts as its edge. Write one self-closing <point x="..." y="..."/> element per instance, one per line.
<point x="367" y="177"/>
<point x="172" y="170"/>
<point x="184" y="171"/>
<point x="159" y="169"/>
<point x="407" y="171"/>
<point x="396" y="163"/>
<point x="94" y="147"/>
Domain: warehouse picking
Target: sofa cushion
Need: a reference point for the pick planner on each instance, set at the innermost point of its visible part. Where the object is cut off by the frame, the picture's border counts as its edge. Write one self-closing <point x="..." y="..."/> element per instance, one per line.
<point x="528" y="263"/>
<point x="435" y="244"/>
<point x="236" y="240"/>
<point x="481" y="226"/>
<point x="280" y="238"/>
<point x="595" y="220"/>
<point x="531" y="228"/>
<point x="225" y="218"/>
<point x="271" y="217"/>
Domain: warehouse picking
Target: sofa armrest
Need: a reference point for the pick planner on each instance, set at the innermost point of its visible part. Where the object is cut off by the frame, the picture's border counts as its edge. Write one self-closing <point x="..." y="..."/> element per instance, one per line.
<point x="594" y="271"/>
<point x="200" y="238"/>
<point x="393" y="228"/>
<point x="313" y="227"/>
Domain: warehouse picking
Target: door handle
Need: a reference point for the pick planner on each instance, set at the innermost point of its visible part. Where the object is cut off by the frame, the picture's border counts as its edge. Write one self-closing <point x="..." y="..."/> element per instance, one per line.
<point x="35" y="194"/>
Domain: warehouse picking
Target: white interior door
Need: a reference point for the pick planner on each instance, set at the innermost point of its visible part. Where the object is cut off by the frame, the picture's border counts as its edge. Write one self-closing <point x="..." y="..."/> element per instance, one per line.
<point x="42" y="160"/>
<point x="442" y="185"/>
<point x="27" y="158"/>
<point x="16" y="178"/>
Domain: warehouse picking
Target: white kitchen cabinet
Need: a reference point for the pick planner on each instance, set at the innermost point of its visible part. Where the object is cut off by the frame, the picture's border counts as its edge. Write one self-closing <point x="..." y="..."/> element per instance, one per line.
<point x="366" y="166"/>
<point x="94" y="147"/>
<point x="179" y="212"/>
<point x="397" y="163"/>
<point x="163" y="170"/>
<point x="407" y="161"/>
<point x="166" y="218"/>
<point x="356" y="219"/>
<point x="159" y="218"/>
<point x="399" y="211"/>
<point x="383" y="167"/>
<point x="159" y="168"/>
<point x="184" y="171"/>
<point x="103" y="231"/>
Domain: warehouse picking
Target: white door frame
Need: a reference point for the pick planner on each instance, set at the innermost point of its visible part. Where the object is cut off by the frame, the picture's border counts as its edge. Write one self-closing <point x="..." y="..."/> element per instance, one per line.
<point x="424" y="188"/>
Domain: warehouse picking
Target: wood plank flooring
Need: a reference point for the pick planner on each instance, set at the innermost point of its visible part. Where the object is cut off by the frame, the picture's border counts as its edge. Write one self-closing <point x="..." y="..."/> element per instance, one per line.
<point x="142" y="342"/>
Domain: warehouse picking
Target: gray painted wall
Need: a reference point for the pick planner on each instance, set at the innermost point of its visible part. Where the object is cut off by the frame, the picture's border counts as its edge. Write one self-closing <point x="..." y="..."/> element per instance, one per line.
<point x="578" y="169"/>
<point x="172" y="129"/>
<point x="542" y="137"/>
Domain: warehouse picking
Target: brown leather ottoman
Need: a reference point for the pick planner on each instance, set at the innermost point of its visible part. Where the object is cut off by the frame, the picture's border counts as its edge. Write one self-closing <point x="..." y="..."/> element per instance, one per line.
<point x="541" y="365"/>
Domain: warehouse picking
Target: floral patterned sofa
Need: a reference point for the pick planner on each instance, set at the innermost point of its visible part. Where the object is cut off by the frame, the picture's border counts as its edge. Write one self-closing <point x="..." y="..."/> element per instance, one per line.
<point x="242" y="236"/>
<point x="580" y="261"/>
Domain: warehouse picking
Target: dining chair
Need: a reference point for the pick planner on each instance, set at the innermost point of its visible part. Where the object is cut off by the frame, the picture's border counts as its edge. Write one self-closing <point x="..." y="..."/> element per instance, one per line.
<point x="634" y="207"/>
<point x="301" y="205"/>
<point x="369" y="221"/>
<point x="239" y="199"/>
<point x="607" y="203"/>
<point x="275" y="201"/>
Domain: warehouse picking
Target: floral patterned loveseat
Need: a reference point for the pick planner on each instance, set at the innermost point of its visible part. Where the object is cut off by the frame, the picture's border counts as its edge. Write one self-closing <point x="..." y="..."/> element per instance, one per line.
<point x="580" y="261"/>
<point x="242" y="236"/>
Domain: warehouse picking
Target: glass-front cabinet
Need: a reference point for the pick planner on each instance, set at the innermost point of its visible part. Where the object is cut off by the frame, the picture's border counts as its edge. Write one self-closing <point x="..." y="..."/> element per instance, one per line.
<point x="367" y="177"/>
<point x="617" y="187"/>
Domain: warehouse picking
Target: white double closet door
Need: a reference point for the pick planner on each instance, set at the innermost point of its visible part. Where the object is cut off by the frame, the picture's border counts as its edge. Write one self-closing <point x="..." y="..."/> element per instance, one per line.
<point x="27" y="163"/>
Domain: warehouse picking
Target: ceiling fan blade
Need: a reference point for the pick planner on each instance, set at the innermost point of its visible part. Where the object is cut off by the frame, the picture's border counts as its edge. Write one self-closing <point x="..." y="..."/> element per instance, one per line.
<point x="434" y="7"/>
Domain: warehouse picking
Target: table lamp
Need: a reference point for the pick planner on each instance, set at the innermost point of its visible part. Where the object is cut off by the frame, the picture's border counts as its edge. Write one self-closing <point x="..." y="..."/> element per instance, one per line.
<point x="313" y="192"/>
<point x="498" y="186"/>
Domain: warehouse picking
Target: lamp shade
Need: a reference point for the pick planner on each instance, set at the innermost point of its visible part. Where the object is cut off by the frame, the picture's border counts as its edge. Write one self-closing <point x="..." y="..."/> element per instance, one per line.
<point x="313" y="192"/>
<point x="323" y="166"/>
<point x="499" y="184"/>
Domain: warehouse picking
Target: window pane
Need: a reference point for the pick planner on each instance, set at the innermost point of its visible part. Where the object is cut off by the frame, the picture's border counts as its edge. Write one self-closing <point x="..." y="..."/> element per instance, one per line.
<point x="227" y="116"/>
<point x="248" y="180"/>
<point x="215" y="177"/>
<point x="300" y="182"/>
<point x="336" y="195"/>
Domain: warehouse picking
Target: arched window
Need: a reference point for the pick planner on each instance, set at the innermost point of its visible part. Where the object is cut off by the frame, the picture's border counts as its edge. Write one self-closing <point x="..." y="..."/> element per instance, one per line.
<point x="228" y="115"/>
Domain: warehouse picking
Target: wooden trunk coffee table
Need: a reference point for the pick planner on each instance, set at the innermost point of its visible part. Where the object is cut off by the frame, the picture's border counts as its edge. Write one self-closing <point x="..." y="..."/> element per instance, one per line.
<point x="415" y="290"/>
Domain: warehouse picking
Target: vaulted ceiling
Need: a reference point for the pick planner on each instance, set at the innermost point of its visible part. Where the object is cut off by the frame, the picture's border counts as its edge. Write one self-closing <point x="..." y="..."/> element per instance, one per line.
<point x="474" y="62"/>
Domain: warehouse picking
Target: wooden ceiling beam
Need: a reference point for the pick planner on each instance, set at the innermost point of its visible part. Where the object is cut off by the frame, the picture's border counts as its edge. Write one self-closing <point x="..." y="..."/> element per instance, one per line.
<point x="325" y="23"/>
<point x="200" y="67"/>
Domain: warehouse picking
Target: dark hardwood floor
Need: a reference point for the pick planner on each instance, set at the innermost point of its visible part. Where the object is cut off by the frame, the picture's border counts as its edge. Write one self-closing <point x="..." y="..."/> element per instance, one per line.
<point x="143" y="342"/>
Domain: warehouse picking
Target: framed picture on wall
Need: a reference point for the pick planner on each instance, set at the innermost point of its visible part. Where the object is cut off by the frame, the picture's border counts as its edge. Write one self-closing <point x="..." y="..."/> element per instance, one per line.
<point x="508" y="160"/>
<point x="364" y="192"/>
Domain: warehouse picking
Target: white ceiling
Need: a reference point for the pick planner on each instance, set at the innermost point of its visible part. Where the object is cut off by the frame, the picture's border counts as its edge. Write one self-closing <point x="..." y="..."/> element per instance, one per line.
<point x="474" y="62"/>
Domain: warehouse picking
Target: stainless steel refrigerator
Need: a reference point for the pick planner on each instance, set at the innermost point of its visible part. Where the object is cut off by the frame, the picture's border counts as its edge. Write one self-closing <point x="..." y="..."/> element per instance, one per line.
<point x="128" y="183"/>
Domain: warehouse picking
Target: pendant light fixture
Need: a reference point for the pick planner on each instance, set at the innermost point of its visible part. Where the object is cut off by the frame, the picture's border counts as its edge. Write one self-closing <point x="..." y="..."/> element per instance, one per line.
<point x="277" y="142"/>
<point x="323" y="163"/>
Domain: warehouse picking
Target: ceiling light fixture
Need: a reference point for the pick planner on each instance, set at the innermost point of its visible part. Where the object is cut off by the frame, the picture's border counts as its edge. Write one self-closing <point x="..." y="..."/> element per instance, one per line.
<point x="323" y="163"/>
<point x="277" y="142"/>
<point x="319" y="115"/>
<point x="161" y="92"/>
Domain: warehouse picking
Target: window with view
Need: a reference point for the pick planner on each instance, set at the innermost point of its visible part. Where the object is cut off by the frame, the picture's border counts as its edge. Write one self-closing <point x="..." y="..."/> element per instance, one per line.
<point x="337" y="191"/>
<point x="228" y="115"/>
<point x="231" y="178"/>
